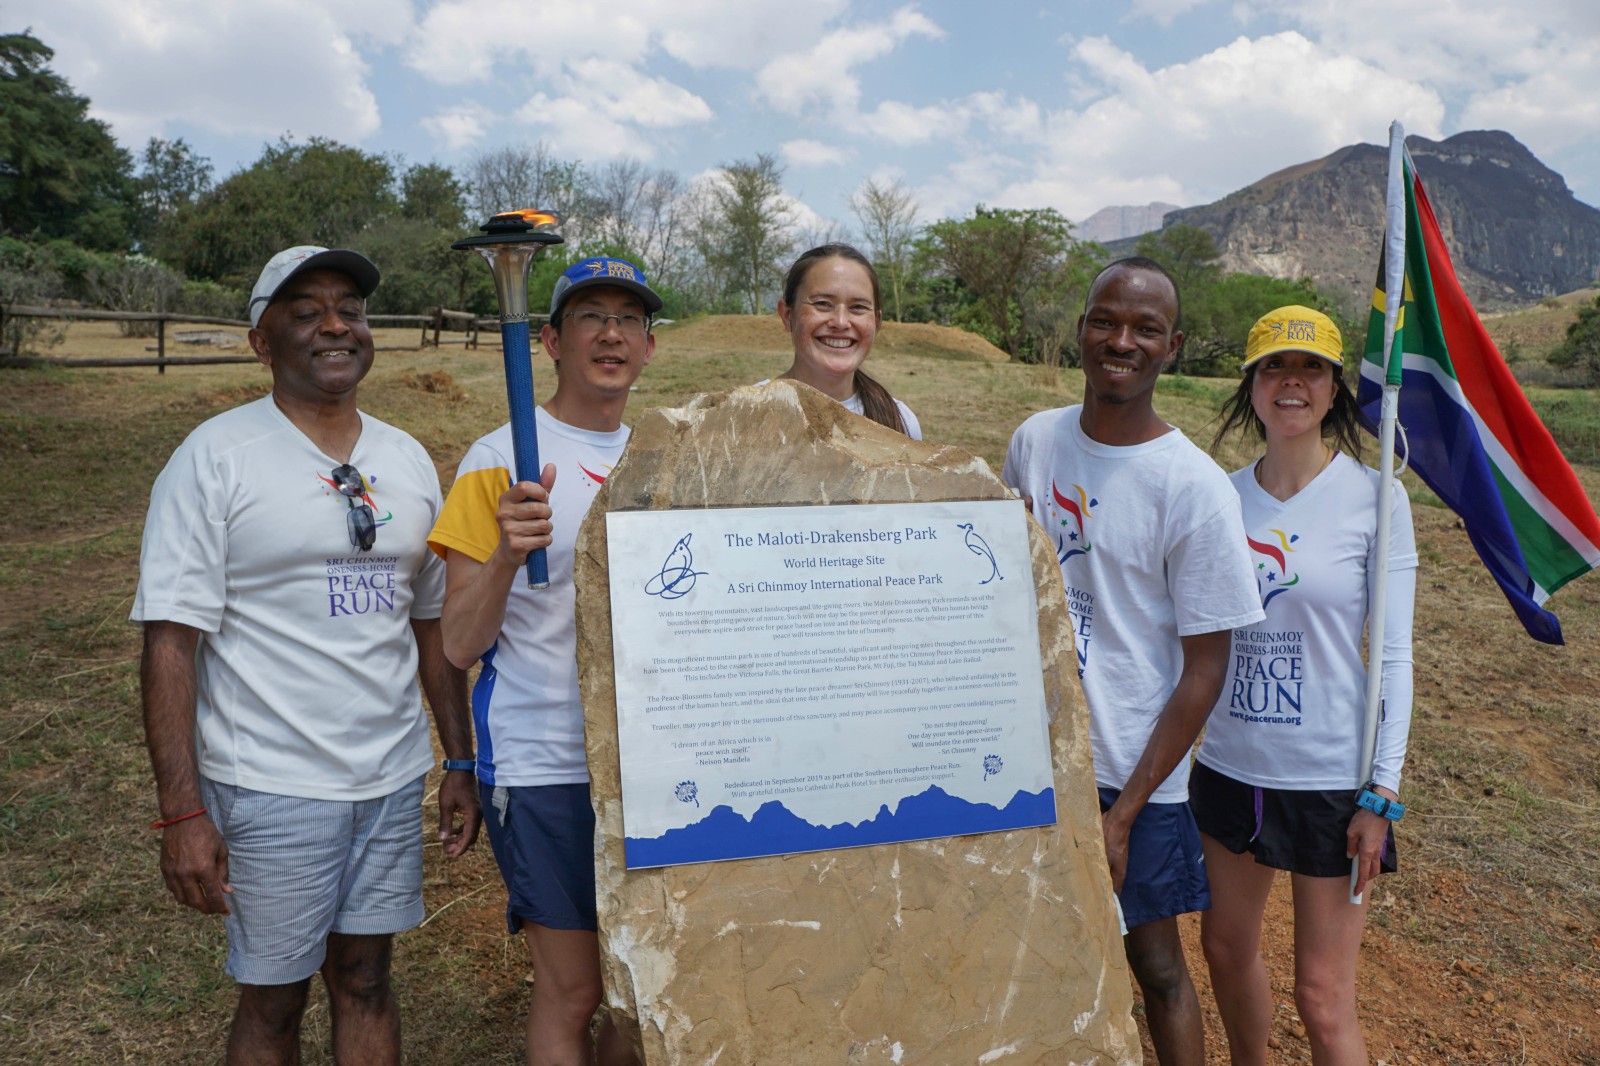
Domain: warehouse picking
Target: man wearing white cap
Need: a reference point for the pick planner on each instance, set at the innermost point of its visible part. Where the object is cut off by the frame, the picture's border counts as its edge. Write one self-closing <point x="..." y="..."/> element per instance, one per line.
<point x="288" y="600"/>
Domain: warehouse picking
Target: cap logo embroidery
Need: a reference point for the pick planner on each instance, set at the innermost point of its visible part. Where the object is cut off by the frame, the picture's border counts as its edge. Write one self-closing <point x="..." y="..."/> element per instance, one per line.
<point x="1301" y="330"/>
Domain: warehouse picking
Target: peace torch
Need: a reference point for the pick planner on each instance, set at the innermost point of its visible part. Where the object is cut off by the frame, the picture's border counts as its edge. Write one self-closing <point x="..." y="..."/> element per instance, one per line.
<point x="510" y="242"/>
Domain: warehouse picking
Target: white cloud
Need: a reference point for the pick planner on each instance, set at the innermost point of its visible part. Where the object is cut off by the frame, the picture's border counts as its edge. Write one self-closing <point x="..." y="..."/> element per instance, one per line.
<point x="462" y="41"/>
<point x="1552" y="108"/>
<point x="1450" y="44"/>
<point x="1532" y="68"/>
<point x="1192" y="131"/>
<point x="459" y="128"/>
<point x="575" y="129"/>
<point x="822" y="74"/>
<point x="626" y="95"/>
<point x="231" y="68"/>
<point x="459" y="42"/>
<point x="807" y="153"/>
<point x="902" y="124"/>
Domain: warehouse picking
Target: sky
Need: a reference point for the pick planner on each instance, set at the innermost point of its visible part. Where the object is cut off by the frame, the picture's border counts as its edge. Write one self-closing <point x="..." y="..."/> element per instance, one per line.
<point x="1071" y="105"/>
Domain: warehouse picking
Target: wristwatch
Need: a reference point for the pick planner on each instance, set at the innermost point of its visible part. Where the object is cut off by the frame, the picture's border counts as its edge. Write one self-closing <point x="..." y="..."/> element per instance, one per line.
<point x="1382" y="806"/>
<point x="469" y="765"/>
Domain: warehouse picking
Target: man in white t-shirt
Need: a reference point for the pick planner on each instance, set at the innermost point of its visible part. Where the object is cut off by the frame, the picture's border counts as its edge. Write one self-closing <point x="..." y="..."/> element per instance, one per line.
<point x="533" y="773"/>
<point x="1148" y="534"/>
<point x="288" y="600"/>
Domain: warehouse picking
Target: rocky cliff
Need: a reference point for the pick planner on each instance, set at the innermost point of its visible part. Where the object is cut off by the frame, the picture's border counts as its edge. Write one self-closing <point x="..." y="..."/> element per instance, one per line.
<point x="1514" y="230"/>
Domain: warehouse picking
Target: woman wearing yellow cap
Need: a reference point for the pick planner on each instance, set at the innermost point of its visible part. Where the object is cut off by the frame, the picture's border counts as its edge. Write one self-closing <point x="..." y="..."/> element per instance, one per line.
<point x="1276" y="783"/>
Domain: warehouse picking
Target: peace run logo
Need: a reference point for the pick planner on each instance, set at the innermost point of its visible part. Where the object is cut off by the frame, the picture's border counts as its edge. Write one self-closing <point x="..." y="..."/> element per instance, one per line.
<point x="1273" y="564"/>
<point x="1077" y="509"/>
<point x="596" y="479"/>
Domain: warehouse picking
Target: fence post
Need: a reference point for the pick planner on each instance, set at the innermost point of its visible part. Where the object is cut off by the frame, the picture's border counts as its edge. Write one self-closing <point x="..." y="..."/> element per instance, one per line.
<point x="438" y="318"/>
<point x="161" y="346"/>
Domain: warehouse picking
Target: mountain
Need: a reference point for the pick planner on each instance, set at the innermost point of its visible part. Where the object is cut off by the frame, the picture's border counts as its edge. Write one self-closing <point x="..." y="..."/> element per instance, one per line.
<point x="1515" y="231"/>
<point x="1115" y="223"/>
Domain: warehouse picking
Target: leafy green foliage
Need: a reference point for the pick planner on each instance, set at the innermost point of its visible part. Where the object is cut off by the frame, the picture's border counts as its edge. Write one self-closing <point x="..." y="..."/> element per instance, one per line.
<point x="62" y="174"/>
<point x="750" y="232"/>
<point x="1219" y="308"/>
<point x="1025" y="274"/>
<point x="1580" y="348"/>
<point x="320" y="192"/>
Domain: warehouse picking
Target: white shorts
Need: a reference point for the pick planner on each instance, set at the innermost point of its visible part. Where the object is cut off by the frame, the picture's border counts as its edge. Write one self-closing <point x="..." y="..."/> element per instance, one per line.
<point x="304" y="868"/>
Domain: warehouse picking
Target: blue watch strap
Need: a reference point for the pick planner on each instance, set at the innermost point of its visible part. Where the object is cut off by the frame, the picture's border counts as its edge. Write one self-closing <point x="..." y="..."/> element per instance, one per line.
<point x="1382" y="806"/>
<point x="469" y="765"/>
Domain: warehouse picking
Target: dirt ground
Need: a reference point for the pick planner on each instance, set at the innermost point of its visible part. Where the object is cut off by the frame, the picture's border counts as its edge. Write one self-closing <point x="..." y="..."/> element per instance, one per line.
<point x="1485" y="948"/>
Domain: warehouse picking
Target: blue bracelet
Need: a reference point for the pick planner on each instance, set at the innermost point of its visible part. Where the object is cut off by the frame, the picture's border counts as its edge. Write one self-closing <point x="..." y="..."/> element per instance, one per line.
<point x="469" y="765"/>
<point x="1382" y="806"/>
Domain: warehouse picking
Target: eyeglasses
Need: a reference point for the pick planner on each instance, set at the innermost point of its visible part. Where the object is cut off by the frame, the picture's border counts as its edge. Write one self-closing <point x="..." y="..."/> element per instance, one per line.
<point x="826" y="308"/>
<point x="595" y="322"/>
<point x="360" y="521"/>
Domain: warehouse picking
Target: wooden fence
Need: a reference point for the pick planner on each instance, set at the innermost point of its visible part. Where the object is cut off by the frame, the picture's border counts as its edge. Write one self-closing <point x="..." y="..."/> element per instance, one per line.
<point x="433" y="325"/>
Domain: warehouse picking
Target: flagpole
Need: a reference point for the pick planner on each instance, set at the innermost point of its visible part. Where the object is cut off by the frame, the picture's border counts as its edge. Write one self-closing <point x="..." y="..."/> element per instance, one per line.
<point x="1394" y="299"/>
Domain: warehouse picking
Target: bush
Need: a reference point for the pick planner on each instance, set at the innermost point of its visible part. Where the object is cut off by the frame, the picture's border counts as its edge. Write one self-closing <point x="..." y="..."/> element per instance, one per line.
<point x="134" y="283"/>
<point x="1580" y="349"/>
<point x="26" y="279"/>
<point x="211" y="300"/>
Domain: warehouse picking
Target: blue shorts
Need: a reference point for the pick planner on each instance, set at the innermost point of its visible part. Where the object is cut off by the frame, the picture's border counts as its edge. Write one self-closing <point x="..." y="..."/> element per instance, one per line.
<point x="304" y="868"/>
<point x="543" y="841"/>
<point x="1166" y="868"/>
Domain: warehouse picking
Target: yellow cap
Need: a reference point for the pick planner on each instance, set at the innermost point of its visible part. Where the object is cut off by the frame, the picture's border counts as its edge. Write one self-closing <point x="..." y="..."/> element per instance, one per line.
<point x="1294" y="329"/>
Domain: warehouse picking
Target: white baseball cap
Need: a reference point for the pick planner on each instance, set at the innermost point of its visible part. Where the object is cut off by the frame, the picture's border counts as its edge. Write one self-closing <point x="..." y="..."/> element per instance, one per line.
<point x="302" y="257"/>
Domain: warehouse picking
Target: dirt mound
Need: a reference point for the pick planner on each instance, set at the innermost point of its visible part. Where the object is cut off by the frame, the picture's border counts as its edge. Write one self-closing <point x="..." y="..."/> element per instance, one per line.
<point x="764" y="333"/>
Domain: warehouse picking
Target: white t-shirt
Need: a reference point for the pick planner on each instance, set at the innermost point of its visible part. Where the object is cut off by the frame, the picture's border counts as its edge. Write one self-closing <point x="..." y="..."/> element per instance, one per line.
<point x="1149" y="540"/>
<point x="307" y="667"/>
<point x="1292" y="707"/>
<point x="913" y="427"/>
<point x="525" y="705"/>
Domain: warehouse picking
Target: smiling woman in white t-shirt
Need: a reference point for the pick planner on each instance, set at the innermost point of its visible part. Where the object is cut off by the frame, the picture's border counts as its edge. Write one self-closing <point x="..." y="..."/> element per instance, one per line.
<point x="1277" y="778"/>
<point x="831" y="308"/>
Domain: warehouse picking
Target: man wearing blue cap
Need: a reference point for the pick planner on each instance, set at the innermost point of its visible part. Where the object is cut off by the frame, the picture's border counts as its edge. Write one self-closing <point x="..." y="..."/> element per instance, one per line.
<point x="533" y="776"/>
<point x="288" y="601"/>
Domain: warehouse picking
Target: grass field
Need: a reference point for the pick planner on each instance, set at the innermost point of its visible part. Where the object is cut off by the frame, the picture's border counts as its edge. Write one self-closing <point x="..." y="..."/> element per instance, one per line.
<point x="1486" y="948"/>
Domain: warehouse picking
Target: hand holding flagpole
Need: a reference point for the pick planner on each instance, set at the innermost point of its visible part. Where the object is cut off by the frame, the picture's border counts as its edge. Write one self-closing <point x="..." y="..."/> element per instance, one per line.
<point x="1394" y="251"/>
<point x="510" y="242"/>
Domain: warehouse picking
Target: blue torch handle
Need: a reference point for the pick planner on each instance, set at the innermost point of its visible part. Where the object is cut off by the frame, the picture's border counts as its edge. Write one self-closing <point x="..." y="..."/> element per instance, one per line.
<point x="524" y="434"/>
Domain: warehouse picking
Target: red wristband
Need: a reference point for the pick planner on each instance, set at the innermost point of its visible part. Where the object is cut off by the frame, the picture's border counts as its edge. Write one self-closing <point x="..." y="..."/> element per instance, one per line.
<point x="179" y="818"/>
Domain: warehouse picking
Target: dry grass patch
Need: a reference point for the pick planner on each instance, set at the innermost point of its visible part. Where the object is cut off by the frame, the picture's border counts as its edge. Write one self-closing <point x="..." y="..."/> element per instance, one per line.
<point x="1485" y="949"/>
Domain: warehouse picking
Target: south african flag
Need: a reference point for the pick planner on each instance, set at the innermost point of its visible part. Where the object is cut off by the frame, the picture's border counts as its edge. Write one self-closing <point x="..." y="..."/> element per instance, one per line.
<point x="1472" y="435"/>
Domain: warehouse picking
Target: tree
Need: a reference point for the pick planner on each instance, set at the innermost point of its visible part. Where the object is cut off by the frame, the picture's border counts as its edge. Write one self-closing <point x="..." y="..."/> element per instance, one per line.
<point x="1188" y="252"/>
<point x="1581" y="346"/>
<point x="62" y="174"/>
<point x="523" y="176"/>
<point x="430" y="193"/>
<point x="753" y="219"/>
<point x="171" y="176"/>
<point x="320" y="192"/>
<point x="1051" y="310"/>
<point x="1009" y="259"/>
<point x="641" y="210"/>
<point x="888" y="217"/>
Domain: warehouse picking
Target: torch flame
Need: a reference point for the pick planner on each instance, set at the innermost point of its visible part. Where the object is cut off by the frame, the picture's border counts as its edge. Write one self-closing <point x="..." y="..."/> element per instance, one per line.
<point x="537" y="219"/>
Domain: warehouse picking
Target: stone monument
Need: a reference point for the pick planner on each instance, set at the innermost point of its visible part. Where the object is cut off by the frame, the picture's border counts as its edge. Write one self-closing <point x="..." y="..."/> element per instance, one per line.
<point x="993" y="948"/>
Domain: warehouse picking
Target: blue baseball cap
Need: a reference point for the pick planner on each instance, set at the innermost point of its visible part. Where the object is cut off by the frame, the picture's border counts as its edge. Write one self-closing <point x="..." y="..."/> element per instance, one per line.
<point x="603" y="270"/>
